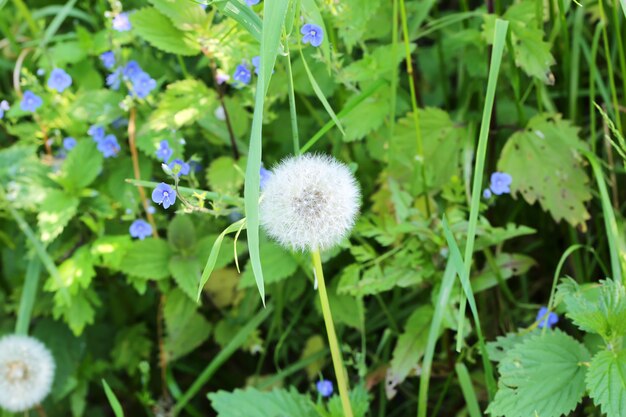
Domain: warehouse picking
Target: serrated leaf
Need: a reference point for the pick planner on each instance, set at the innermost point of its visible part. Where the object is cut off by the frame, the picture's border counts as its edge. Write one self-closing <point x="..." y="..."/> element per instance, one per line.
<point x="411" y="344"/>
<point x="185" y="14"/>
<point x="597" y="308"/>
<point x="185" y="327"/>
<point x="542" y="376"/>
<point x="148" y="259"/>
<point x="353" y="21"/>
<point x="277" y="264"/>
<point x="546" y="166"/>
<point x="186" y="272"/>
<point x="75" y="272"/>
<point x="254" y="403"/>
<point x="181" y="233"/>
<point x="376" y="65"/>
<point x="499" y="348"/>
<point x="56" y="210"/>
<point x="161" y="33"/>
<point x="82" y="165"/>
<point x="110" y="250"/>
<point x="367" y="116"/>
<point x="606" y="382"/>
<point x="182" y="103"/>
<point x="80" y="311"/>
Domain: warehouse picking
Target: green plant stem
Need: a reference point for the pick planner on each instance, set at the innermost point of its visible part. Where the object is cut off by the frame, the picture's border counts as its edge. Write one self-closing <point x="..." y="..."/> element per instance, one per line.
<point x="416" y="117"/>
<point x="292" y="107"/>
<point x="29" y="293"/>
<point x="335" y="352"/>
<point x="609" y="66"/>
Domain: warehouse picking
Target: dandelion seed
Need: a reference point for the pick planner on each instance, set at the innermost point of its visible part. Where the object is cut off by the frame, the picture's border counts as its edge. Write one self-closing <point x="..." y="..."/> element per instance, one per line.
<point x="69" y="143"/>
<point x="242" y="74"/>
<point x="550" y="320"/>
<point x="4" y="106"/>
<point x="164" y="194"/>
<point x="121" y="23"/>
<point x="324" y="387"/>
<point x="59" y="80"/>
<point x="108" y="59"/>
<point x="26" y="372"/>
<point x="313" y="34"/>
<point x="108" y="146"/>
<point x="500" y="183"/>
<point x="164" y="152"/>
<point x="30" y="101"/>
<point x="140" y="229"/>
<point x="309" y="202"/>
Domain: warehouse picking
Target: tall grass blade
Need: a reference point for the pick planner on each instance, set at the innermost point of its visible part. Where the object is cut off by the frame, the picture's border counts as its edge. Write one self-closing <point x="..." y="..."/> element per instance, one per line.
<point x="29" y="293"/>
<point x="113" y="401"/>
<point x="468" y="390"/>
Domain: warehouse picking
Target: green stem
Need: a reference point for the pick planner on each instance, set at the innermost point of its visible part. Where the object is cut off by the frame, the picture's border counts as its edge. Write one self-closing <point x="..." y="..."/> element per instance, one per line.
<point x="292" y="107"/>
<point x="416" y="117"/>
<point x="609" y="66"/>
<point x="335" y="353"/>
<point x="29" y="293"/>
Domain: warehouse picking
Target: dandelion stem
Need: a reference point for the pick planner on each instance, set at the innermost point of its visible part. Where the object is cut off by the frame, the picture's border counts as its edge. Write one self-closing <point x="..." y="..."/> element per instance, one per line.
<point x="292" y="106"/>
<point x="340" y="372"/>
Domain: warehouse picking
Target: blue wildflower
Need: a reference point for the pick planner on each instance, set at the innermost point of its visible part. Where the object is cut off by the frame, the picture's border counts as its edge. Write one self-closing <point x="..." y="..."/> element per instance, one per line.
<point x="265" y="176"/>
<point x="500" y="183"/>
<point x="549" y="321"/>
<point x="132" y="69"/>
<point x="41" y="71"/>
<point x="30" y="101"/>
<point x="108" y="146"/>
<point x="256" y="62"/>
<point x="4" y="106"/>
<point x="59" y="80"/>
<point x="486" y="193"/>
<point x="143" y="84"/>
<point x="313" y="34"/>
<point x="221" y="77"/>
<point x="195" y="165"/>
<point x="252" y="2"/>
<point x="121" y="23"/>
<point x="151" y="209"/>
<point x="114" y="79"/>
<point x="108" y="59"/>
<point x="242" y="74"/>
<point x="164" y="194"/>
<point x="96" y="132"/>
<point x="324" y="387"/>
<point x="164" y="153"/>
<point x="140" y="229"/>
<point x="69" y="143"/>
<point x="183" y="167"/>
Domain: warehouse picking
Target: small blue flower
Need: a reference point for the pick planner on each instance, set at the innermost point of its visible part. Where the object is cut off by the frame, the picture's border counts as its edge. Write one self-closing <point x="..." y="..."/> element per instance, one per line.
<point x="221" y="77"/>
<point x="486" y="193"/>
<point x="143" y="84"/>
<point x="132" y="69"/>
<point x="252" y="2"/>
<point x="59" y="80"/>
<point x="151" y="209"/>
<point x="195" y="165"/>
<point x="121" y="23"/>
<point x="69" y="143"/>
<point x="41" y="71"/>
<point x="500" y="183"/>
<point x="324" y="387"/>
<point x="183" y="169"/>
<point x="114" y="79"/>
<point x="4" y="106"/>
<point x="242" y="74"/>
<point x="108" y="59"/>
<point x="313" y="34"/>
<point x="549" y="321"/>
<point x="265" y="176"/>
<point x="256" y="62"/>
<point x="30" y="101"/>
<point x="164" y="194"/>
<point x="140" y="229"/>
<point x="96" y="132"/>
<point x="164" y="153"/>
<point x="108" y="146"/>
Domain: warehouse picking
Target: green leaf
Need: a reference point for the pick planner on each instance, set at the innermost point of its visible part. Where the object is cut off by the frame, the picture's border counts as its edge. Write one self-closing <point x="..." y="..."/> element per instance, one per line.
<point x="353" y="23"/>
<point x="606" y="382"/>
<point x="110" y="250"/>
<point x="148" y="259"/>
<point x="225" y="175"/>
<point x="596" y="308"/>
<point x="546" y="166"/>
<point x="76" y="272"/>
<point x="411" y="344"/>
<point x="182" y="103"/>
<point x="542" y="376"/>
<point x="186" y="272"/>
<point x="254" y="403"/>
<point x="113" y="401"/>
<point x="185" y="14"/>
<point x="185" y="327"/>
<point x="277" y="263"/>
<point x="242" y="14"/>
<point x="499" y="348"/>
<point x="161" y="33"/>
<point x="181" y="233"/>
<point x="55" y="212"/>
<point x="79" y="311"/>
<point x="376" y="65"/>
<point x="97" y="106"/>
<point x="82" y="166"/>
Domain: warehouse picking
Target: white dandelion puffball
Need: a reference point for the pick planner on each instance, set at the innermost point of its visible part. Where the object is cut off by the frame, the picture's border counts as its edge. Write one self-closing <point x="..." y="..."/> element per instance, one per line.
<point x="310" y="202"/>
<point x="26" y="372"/>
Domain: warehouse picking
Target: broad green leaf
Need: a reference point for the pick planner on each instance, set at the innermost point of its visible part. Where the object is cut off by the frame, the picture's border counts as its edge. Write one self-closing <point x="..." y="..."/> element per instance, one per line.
<point x="542" y="376"/>
<point x="254" y="403"/>
<point x="368" y="115"/>
<point x="225" y="175"/>
<point x="277" y="263"/>
<point x="161" y="33"/>
<point x="353" y="23"/>
<point x="147" y="259"/>
<point x="82" y="166"/>
<point x="185" y="14"/>
<point x="110" y="250"/>
<point x="376" y="65"/>
<point x="606" y="382"/>
<point x="55" y="212"/>
<point x="546" y="166"/>
<point x="185" y="327"/>
<point x="181" y="234"/>
<point x="76" y="273"/>
<point x="411" y="344"/>
<point x="182" y="103"/>
<point x="186" y="272"/>
<point x="97" y="106"/>
<point x="596" y="308"/>
<point x="499" y="348"/>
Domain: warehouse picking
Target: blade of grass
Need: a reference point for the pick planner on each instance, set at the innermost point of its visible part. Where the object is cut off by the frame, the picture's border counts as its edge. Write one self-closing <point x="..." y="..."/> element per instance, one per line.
<point x="274" y="13"/>
<point x="394" y="80"/>
<point x="433" y="334"/>
<point x="29" y="293"/>
<point x="609" y="66"/>
<point x="499" y="40"/>
<point x="574" y="77"/>
<point x="242" y="14"/>
<point x="457" y="261"/>
<point x="293" y="114"/>
<point x="468" y="390"/>
<point x="25" y="12"/>
<point x="56" y="24"/>
<point x="233" y="345"/>
<point x="113" y="401"/>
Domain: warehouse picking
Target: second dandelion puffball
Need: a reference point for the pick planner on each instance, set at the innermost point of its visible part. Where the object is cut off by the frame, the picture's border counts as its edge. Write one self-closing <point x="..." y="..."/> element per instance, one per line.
<point x="310" y="202"/>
